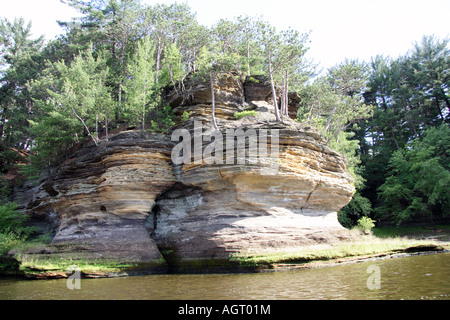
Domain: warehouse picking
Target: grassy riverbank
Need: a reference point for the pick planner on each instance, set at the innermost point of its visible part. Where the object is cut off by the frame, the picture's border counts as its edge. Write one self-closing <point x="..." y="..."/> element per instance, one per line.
<point x="310" y="256"/>
<point x="41" y="260"/>
<point x="434" y="232"/>
<point x="56" y="266"/>
<point x="383" y="242"/>
<point x="37" y="261"/>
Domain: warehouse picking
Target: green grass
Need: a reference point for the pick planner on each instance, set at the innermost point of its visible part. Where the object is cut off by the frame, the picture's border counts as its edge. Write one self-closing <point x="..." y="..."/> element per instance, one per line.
<point x="417" y="232"/>
<point x="248" y="113"/>
<point x="383" y="241"/>
<point x="35" y="262"/>
<point x="29" y="263"/>
<point x="370" y="247"/>
<point x="411" y="231"/>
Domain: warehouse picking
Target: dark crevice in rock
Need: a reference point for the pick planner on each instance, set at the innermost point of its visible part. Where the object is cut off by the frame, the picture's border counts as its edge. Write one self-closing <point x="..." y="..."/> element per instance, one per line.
<point x="310" y="194"/>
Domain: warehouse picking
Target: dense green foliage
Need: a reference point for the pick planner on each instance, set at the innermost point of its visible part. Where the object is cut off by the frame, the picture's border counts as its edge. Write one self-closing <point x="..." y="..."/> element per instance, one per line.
<point x="13" y="232"/>
<point x="418" y="180"/>
<point x="359" y="207"/>
<point x="109" y="70"/>
<point x="391" y="120"/>
<point x="406" y="140"/>
<point x="334" y="103"/>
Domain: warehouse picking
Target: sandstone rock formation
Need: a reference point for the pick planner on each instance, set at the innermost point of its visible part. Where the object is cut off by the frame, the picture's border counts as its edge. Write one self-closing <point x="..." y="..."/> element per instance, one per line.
<point x="127" y="200"/>
<point x="217" y="210"/>
<point x="102" y="196"/>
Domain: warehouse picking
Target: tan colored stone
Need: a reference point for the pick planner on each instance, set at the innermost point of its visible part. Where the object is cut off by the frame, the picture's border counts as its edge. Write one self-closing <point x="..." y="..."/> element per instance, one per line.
<point x="126" y="199"/>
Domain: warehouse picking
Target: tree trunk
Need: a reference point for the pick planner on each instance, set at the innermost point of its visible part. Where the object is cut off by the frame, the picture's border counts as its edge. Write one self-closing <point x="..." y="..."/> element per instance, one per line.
<point x="444" y="96"/>
<point x="158" y="59"/>
<point x="96" y="126"/>
<point x="119" y="93"/>
<point x="338" y="132"/>
<point x="274" y="94"/>
<point x="283" y="97"/>
<point x="439" y="109"/>
<point x="395" y="140"/>
<point x="193" y="62"/>
<point x="3" y="123"/>
<point x="143" y="119"/>
<point x="143" y="113"/>
<point x="330" y="119"/>
<point x="308" y="120"/>
<point x="106" y="123"/>
<point x="287" y="93"/>
<point x="248" y="56"/>
<point x="119" y="101"/>
<point x="86" y="127"/>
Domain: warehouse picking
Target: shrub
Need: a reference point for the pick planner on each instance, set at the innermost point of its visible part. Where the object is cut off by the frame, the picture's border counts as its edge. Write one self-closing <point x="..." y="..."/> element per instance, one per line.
<point x="10" y="240"/>
<point x="5" y="189"/>
<point x="13" y="221"/>
<point x="357" y="208"/>
<point x="165" y="120"/>
<point x="366" y="224"/>
<point x="13" y="231"/>
<point x="186" y="115"/>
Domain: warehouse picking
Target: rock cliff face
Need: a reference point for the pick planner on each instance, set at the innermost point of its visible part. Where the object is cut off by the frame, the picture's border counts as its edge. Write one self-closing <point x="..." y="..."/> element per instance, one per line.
<point x="127" y="200"/>
<point x="102" y="196"/>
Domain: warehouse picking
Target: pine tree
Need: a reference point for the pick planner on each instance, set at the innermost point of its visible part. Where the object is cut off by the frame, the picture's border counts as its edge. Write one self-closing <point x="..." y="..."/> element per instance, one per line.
<point x="284" y="54"/>
<point x="20" y="61"/>
<point x="140" y="85"/>
<point x="77" y="99"/>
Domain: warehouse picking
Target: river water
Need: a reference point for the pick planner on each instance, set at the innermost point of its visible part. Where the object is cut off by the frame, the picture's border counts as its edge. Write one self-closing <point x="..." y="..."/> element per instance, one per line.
<point x="414" y="277"/>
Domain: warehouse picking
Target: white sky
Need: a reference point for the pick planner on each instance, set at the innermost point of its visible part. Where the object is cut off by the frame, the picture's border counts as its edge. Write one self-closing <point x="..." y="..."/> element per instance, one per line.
<point x="340" y="28"/>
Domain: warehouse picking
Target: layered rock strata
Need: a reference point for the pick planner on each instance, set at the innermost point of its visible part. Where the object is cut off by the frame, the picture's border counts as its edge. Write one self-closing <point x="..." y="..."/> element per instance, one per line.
<point x="127" y="199"/>
<point x="101" y="198"/>
<point x="217" y="210"/>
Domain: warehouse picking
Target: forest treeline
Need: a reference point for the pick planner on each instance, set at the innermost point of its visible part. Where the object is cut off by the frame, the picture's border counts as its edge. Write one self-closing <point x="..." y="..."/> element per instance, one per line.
<point x="109" y="68"/>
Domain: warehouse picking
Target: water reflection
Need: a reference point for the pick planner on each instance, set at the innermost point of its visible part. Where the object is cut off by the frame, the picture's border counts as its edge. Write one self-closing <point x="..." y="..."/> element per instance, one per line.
<point x="417" y="277"/>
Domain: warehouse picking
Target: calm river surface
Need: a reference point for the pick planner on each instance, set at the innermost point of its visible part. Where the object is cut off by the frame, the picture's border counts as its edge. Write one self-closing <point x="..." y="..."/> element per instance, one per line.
<point x="416" y="277"/>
